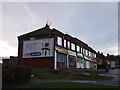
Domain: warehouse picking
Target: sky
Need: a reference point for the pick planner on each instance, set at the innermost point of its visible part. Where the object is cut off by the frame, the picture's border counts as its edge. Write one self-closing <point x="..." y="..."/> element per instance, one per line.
<point x="95" y="23"/>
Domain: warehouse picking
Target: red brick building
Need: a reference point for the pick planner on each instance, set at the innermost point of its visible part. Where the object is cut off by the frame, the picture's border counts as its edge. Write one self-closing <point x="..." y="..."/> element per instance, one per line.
<point x="50" y="48"/>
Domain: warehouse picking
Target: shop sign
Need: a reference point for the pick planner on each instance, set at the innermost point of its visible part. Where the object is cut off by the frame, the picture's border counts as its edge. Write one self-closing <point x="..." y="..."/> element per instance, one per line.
<point x="79" y="54"/>
<point x="71" y="53"/>
<point x="61" y="49"/>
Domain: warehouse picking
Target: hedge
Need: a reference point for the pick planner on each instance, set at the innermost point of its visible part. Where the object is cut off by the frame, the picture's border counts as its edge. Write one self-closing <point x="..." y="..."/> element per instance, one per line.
<point x="15" y="74"/>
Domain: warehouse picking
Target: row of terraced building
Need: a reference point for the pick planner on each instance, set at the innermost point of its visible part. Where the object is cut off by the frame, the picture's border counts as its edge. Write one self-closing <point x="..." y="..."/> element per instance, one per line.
<point x="50" y="48"/>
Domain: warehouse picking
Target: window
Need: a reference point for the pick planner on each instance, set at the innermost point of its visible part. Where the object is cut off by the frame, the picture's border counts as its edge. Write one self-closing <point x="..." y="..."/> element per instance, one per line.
<point x="89" y="53"/>
<point x="81" y="50"/>
<point x="78" y="48"/>
<point x="59" y="41"/>
<point x="72" y="46"/>
<point x="32" y="38"/>
<point x="68" y="44"/>
<point x="95" y="55"/>
<point x="64" y="43"/>
<point x="86" y="53"/>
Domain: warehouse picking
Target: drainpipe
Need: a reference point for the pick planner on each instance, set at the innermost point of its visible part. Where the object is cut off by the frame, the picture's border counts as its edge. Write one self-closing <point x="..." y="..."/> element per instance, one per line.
<point x="55" y="60"/>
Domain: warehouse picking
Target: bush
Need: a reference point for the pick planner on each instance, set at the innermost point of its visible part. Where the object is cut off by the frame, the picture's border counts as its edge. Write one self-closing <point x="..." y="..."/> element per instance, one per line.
<point x="15" y="74"/>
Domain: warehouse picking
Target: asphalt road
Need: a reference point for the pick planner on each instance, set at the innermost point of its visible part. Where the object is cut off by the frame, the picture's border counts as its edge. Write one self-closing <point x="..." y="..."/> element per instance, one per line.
<point x="116" y="77"/>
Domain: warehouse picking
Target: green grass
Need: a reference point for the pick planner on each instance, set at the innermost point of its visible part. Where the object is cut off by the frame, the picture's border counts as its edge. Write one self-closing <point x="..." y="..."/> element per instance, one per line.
<point x="49" y="73"/>
<point x="66" y="85"/>
<point x="62" y="74"/>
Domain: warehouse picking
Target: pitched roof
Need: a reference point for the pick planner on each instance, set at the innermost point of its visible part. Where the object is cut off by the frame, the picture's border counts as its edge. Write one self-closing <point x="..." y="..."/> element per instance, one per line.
<point x="42" y="31"/>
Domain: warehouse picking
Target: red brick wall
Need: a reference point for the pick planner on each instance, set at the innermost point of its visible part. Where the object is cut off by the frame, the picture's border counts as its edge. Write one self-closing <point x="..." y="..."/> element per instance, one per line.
<point x="38" y="62"/>
<point x="43" y="62"/>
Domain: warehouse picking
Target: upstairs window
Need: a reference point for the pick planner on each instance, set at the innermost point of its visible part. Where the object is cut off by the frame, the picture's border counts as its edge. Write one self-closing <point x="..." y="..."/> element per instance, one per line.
<point x="86" y="53"/>
<point x="95" y="55"/>
<point x="72" y="46"/>
<point x="64" y="43"/>
<point x="68" y="44"/>
<point x="32" y="38"/>
<point x="81" y="50"/>
<point x="78" y="48"/>
<point x="89" y="53"/>
<point x="59" y="41"/>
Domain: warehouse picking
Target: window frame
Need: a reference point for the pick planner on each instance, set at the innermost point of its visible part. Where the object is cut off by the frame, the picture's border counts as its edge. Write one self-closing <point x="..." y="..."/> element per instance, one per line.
<point x="72" y="46"/>
<point x="59" y="40"/>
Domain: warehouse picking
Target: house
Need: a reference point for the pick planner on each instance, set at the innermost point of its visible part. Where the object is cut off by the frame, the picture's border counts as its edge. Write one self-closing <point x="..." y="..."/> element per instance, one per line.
<point x="101" y="60"/>
<point x="114" y="61"/>
<point x="50" y="48"/>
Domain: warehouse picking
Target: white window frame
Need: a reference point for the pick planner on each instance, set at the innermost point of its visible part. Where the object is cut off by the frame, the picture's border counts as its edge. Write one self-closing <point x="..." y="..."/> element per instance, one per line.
<point x="68" y="42"/>
<point x="65" y="43"/>
<point x="89" y="53"/>
<point x="81" y="50"/>
<point x="59" y="41"/>
<point x="95" y="55"/>
<point x="78" y="48"/>
<point x="72" y="46"/>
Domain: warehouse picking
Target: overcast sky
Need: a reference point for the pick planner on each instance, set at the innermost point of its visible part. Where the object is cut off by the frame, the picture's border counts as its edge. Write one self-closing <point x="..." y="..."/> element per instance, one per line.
<point x="95" y="23"/>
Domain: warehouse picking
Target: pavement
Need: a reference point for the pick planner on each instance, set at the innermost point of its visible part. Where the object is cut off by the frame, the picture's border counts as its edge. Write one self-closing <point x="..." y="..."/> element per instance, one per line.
<point x="114" y="73"/>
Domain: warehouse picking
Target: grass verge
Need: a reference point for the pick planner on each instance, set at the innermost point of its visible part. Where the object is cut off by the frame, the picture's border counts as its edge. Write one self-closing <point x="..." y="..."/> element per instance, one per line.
<point x="66" y="85"/>
<point x="65" y="74"/>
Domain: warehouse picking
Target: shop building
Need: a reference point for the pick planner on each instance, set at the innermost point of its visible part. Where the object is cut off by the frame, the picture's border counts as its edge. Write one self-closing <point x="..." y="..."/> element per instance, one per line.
<point x="50" y="48"/>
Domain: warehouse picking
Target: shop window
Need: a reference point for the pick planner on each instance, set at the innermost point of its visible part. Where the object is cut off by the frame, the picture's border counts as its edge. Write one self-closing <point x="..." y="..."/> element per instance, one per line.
<point x="61" y="60"/>
<point x="64" y="43"/>
<point x="72" y="46"/>
<point x="71" y="61"/>
<point x="82" y="61"/>
<point x="59" y="41"/>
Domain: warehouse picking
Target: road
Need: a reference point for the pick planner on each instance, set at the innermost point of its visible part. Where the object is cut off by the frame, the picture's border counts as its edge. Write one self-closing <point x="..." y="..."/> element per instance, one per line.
<point x="116" y="77"/>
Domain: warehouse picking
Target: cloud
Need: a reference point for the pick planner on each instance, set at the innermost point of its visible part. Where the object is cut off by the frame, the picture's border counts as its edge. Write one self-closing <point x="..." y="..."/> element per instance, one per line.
<point x="108" y="49"/>
<point x="7" y="50"/>
<point x="93" y="23"/>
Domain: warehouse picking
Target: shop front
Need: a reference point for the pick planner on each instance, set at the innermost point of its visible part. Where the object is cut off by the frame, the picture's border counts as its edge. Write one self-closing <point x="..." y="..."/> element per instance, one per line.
<point x="71" y="59"/>
<point x="80" y="61"/>
<point x="87" y="62"/>
<point x="61" y="57"/>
